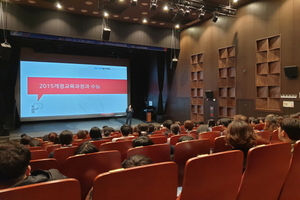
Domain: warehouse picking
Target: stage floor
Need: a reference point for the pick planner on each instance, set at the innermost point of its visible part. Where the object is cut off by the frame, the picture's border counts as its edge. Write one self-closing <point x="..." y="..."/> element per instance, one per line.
<point x="39" y="129"/>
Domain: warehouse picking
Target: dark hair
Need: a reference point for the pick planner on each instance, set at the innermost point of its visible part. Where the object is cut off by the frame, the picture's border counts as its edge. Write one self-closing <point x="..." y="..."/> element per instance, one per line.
<point x="203" y="128"/>
<point x="14" y="160"/>
<point x="185" y="138"/>
<point x="86" y="148"/>
<point x="25" y="140"/>
<point x="175" y="128"/>
<point x="142" y="141"/>
<point x="143" y="127"/>
<point x="292" y="128"/>
<point x="211" y="122"/>
<point x="225" y="121"/>
<point x="53" y="137"/>
<point x="168" y="124"/>
<point x="95" y="132"/>
<point x="35" y="143"/>
<point x="271" y="123"/>
<point x="240" y="135"/>
<point x="136" y="160"/>
<point x="81" y="134"/>
<point x="66" y="137"/>
<point x="108" y="130"/>
<point x="150" y="128"/>
<point x="126" y="130"/>
<point x="240" y="118"/>
<point x="188" y="124"/>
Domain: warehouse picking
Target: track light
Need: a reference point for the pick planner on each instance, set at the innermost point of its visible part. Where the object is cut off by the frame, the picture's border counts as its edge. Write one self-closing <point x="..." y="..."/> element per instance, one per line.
<point x="201" y="14"/>
<point x="153" y="4"/>
<point x="215" y="18"/>
<point x="133" y="2"/>
<point x="187" y="12"/>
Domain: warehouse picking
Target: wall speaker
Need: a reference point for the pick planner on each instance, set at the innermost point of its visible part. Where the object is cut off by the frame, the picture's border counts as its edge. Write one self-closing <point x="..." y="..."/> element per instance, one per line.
<point x="209" y="94"/>
<point x="291" y="71"/>
<point x="5" y="50"/>
<point x="106" y="33"/>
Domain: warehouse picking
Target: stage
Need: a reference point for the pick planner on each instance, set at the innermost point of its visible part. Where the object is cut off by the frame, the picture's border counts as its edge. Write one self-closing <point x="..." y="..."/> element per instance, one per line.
<point x="39" y="129"/>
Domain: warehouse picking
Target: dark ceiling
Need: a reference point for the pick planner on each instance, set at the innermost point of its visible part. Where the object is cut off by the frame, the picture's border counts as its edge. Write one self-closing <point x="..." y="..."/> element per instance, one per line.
<point x="123" y="11"/>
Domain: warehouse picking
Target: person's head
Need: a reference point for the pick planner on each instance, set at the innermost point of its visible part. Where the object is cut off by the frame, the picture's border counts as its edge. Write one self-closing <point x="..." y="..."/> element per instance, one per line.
<point x="25" y="140"/>
<point x="270" y="123"/>
<point x="175" y="128"/>
<point x="188" y="125"/>
<point x="66" y="137"/>
<point x="150" y="128"/>
<point x="225" y="122"/>
<point x="35" y="143"/>
<point x="177" y="122"/>
<point x="142" y="141"/>
<point x="129" y="106"/>
<point x="86" y="148"/>
<point x="14" y="163"/>
<point x="95" y="132"/>
<point x="240" y="118"/>
<point x="136" y="160"/>
<point x="289" y="130"/>
<point x="240" y="135"/>
<point x="126" y="130"/>
<point x="211" y="122"/>
<point x="185" y="138"/>
<point x="143" y="128"/>
<point x="81" y="134"/>
<point x="203" y="128"/>
<point x="168" y="124"/>
<point x="107" y="131"/>
<point x="53" y="137"/>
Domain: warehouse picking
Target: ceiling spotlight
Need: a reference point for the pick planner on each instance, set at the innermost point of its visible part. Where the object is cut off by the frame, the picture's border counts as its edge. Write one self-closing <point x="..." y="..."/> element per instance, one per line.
<point x="170" y="9"/>
<point x="187" y="12"/>
<point x="215" y="18"/>
<point x="133" y="2"/>
<point x="177" y="26"/>
<point x="201" y="14"/>
<point x="58" y="5"/>
<point x="166" y="7"/>
<point x="105" y="14"/>
<point x="153" y="4"/>
<point x="144" y="21"/>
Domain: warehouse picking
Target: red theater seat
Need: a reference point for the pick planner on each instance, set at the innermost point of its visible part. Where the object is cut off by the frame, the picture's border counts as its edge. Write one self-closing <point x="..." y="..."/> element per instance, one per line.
<point x="121" y="146"/>
<point x="44" y="164"/>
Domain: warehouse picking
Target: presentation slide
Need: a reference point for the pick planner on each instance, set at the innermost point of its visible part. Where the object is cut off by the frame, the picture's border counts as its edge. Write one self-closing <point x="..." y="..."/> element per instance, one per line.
<point x="50" y="90"/>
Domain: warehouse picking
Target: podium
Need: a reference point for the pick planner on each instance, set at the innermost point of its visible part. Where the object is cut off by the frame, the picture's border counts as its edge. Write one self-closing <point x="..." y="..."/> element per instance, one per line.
<point x="148" y="116"/>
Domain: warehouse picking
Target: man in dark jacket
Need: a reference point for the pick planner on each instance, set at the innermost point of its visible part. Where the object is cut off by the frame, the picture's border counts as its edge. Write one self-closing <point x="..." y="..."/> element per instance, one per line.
<point x="15" y="169"/>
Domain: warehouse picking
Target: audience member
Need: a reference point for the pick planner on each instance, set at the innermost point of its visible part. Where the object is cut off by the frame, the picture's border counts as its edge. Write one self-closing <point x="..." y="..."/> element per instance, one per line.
<point x="65" y="139"/>
<point x="35" y="143"/>
<point x="95" y="133"/>
<point x="271" y="123"/>
<point x="167" y="125"/>
<point x="240" y="118"/>
<point x="150" y="129"/>
<point x="15" y="168"/>
<point x="53" y="137"/>
<point x="107" y="131"/>
<point x="175" y="129"/>
<point x="25" y="140"/>
<point x="211" y="123"/>
<point x="86" y="148"/>
<point x="142" y="141"/>
<point x="185" y="138"/>
<point x="136" y="160"/>
<point x="81" y="134"/>
<point x="289" y="131"/>
<point x="188" y="125"/>
<point x="203" y="128"/>
<point x="142" y="129"/>
<point x="126" y="131"/>
<point x="224" y="122"/>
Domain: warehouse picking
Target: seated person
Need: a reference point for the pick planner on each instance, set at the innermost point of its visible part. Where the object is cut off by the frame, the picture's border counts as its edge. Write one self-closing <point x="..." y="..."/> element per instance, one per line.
<point x="15" y="168"/>
<point x="35" y="143"/>
<point x="25" y="139"/>
<point x="185" y="138"/>
<point x="143" y="129"/>
<point x="167" y="125"/>
<point x="142" y="141"/>
<point x="81" y="134"/>
<point x="53" y="137"/>
<point x="188" y="125"/>
<point x="136" y="160"/>
<point x="203" y="128"/>
<point x="289" y="131"/>
<point x="65" y="139"/>
<point x="107" y="131"/>
<point x="151" y="128"/>
<point x="86" y="148"/>
<point x="225" y="123"/>
<point x="95" y="134"/>
<point x="126" y="131"/>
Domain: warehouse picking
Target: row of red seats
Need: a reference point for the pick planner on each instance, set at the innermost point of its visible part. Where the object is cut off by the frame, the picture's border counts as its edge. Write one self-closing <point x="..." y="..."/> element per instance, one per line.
<point x="270" y="173"/>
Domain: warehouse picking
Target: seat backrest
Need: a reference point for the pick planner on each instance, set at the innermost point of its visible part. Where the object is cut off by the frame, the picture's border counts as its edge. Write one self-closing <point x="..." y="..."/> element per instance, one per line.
<point x="61" y="155"/>
<point x="263" y="137"/>
<point x="158" y="139"/>
<point x="121" y="146"/>
<point x="274" y="137"/>
<point x="220" y="145"/>
<point x="291" y="186"/>
<point x="159" y="181"/>
<point x="265" y="172"/>
<point x="43" y="164"/>
<point x="157" y="152"/>
<point x="52" y="148"/>
<point x="186" y="150"/>
<point x="59" y="190"/>
<point x="211" y="135"/>
<point x="97" y="143"/>
<point x="34" y="148"/>
<point x="215" y="176"/>
<point x="217" y="128"/>
<point x="86" y="167"/>
<point x="174" y="138"/>
<point x="259" y="127"/>
<point x="38" y="154"/>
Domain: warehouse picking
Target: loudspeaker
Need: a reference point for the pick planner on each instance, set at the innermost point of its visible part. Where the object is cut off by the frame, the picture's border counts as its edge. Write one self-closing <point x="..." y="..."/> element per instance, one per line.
<point x="5" y="50"/>
<point x="106" y="33"/>
<point x="291" y="71"/>
<point x="209" y="94"/>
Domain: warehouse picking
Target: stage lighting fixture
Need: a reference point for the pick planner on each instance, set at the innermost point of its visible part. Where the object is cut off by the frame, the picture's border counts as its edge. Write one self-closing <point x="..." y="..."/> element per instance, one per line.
<point x="133" y="2"/>
<point x="153" y="4"/>
<point x="201" y="14"/>
<point x="215" y="18"/>
<point x="187" y="12"/>
<point x="171" y="9"/>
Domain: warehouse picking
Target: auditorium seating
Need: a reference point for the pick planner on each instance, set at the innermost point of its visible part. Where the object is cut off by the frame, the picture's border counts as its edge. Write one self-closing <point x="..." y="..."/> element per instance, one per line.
<point x="186" y="150"/>
<point x="159" y="181"/>
<point x="211" y="135"/>
<point x="34" y="148"/>
<point x="86" y="167"/>
<point x="97" y="143"/>
<point x="158" y="139"/>
<point x="38" y="154"/>
<point x="174" y="138"/>
<point x="216" y="176"/>
<point x="220" y="145"/>
<point x="121" y="146"/>
<point x="263" y="137"/>
<point x="43" y="164"/>
<point x="51" y="190"/>
<point x="259" y="127"/>
<point x="157" y="152"/>
<point x="217" y="128"/>
<point x="291" y="186"/>
<point x="51" y="148"/>
<point x="265" y="172"/>
<point x="61" y="154"/>
<point x="274" y="137"/>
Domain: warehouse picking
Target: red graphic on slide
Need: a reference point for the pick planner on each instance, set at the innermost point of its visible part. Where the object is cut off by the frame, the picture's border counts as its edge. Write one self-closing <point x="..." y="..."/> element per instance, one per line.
<point x="41" y="86"/>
